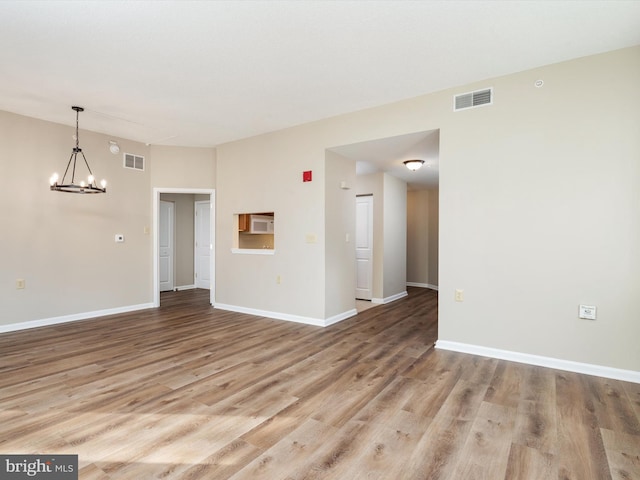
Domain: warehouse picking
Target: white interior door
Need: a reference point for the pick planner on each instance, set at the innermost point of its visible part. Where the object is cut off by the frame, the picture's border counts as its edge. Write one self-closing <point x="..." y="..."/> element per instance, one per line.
<point x="364" y="247"/>
<point x="203" y="244"/>
<point x="165" y="243"/>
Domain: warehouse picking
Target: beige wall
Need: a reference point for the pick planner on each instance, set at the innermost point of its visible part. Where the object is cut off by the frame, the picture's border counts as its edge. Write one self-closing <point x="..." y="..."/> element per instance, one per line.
<point x="62" y="244"/>
<point x="183" y="167"/>
<point x="539" y="209"/>
<point x="340" y="228"/>
<point x="540" y="212"/>
<point x="434" y="236"/>
<point x="422" y="237"/>
<point x="394" y="219"/>
<point x="264" y="174"/>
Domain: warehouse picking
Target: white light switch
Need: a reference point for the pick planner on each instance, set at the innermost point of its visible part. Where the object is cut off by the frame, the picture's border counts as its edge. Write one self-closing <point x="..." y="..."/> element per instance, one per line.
<point x="588" y="312"/>
<point x="459" y="296"/>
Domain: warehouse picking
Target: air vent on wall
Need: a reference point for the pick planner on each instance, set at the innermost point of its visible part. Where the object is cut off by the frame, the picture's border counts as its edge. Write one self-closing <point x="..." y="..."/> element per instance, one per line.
<point x="473" y="99"/>
<point x="135" y="162"/>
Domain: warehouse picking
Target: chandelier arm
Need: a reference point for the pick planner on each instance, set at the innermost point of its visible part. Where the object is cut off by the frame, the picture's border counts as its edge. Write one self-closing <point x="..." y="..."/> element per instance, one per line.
<point x="73" y="173"/>
<point x="67" y="169"/>
<point x="86" y="163"/>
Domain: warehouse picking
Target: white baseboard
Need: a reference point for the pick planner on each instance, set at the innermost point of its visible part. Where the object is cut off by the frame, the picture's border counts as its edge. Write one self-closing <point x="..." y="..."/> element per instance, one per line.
<point x="317" y="322"/>
<point x="44" y="322"/>
<point x="390" y="299"/>
<point x="184" y="287"/>
<point x="423" y="285"/>
<point x="549" y="362"/>
<point x="341" y="316"/>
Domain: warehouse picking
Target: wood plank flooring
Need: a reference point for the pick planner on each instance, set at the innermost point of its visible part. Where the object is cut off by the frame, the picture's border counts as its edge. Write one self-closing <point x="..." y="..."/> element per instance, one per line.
<point x="189" y="392"/>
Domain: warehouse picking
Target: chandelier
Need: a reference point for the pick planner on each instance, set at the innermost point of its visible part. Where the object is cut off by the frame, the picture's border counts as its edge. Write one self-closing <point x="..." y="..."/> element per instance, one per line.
<point x="90" y="185"/>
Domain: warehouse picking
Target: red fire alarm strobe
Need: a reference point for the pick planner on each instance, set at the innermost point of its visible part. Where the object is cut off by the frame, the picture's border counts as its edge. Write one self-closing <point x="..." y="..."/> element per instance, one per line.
<point x="306" y="176"/>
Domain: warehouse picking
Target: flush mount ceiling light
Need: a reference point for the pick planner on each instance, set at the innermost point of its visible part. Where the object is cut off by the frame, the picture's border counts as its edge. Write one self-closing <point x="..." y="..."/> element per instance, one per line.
<point x="413" y="165"/>
<point x="90" y="185"/>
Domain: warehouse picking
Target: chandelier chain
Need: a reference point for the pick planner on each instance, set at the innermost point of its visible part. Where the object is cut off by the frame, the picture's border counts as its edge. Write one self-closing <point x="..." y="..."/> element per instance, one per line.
<point x="77" y="127"/>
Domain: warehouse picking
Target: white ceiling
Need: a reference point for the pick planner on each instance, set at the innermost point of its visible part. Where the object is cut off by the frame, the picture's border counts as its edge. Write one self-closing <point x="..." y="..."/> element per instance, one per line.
<point x="205" y="73"/>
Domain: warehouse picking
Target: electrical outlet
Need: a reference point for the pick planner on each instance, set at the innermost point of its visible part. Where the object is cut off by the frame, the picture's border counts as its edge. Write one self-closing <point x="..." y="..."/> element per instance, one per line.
<point x="278" y="280"/>
<point x="20" y="284"/>
<point x="459" y="295"/>
<point x="588" y="312"/>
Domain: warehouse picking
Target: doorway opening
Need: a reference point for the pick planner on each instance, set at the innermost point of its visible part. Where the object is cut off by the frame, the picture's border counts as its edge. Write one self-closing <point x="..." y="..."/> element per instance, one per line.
<point x="203" y="258"/>
<point x="406" y="224"/>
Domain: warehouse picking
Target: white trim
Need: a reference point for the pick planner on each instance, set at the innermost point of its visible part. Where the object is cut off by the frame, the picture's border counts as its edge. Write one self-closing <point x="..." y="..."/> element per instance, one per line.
<point x="390" y="299"/>
<point x="195" y="240"/>
<point x="156" y="206"/>
<point x="341" y="316"/>
<point x="316" y="322"/>
<point x="254" y="251"/>
<point x="422" y="285"/>
<point x="184" y="287"/>
<point x="549" y="362"/>
<point x="44" y="322"/>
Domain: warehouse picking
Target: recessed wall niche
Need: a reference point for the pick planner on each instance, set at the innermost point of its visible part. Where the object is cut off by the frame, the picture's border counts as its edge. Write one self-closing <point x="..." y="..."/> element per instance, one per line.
<point x="255" y="231"/>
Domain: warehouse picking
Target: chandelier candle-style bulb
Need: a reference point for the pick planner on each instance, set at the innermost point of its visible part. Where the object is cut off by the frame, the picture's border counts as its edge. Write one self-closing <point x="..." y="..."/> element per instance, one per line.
<point x="72" y="166"/>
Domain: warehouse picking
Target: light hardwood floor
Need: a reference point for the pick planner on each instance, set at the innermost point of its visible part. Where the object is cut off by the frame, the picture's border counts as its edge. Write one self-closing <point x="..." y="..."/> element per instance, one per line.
<point x="189" y="392"/>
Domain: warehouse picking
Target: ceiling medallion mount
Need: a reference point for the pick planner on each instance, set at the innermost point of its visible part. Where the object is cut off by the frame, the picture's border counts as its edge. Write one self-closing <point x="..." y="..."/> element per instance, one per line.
<point x="90" y="185"/>
<point x="413" y="165"/>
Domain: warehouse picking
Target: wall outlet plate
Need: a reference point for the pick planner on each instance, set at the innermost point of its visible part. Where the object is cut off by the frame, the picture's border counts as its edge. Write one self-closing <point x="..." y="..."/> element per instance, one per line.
<point x="588" y="312"/>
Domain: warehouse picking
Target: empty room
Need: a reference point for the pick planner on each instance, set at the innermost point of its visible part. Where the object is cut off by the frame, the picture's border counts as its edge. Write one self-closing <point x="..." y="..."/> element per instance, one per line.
<point x="320" y="239"/>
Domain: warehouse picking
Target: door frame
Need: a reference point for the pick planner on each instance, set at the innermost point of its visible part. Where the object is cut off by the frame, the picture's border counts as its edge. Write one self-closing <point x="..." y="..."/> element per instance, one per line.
<point x="156" y="241"/>
<point x="195" y="241"/>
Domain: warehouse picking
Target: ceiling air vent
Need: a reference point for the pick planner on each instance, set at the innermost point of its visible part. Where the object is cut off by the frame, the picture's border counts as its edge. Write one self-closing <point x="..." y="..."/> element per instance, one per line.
<point x="473" y="99"/>
<point x="136" y="162"/>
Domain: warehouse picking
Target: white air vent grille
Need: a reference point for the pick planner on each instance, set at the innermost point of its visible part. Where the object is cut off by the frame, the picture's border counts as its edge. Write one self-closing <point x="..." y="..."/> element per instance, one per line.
<point x="473" y="99"/>
<point x="135" y="162"/>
